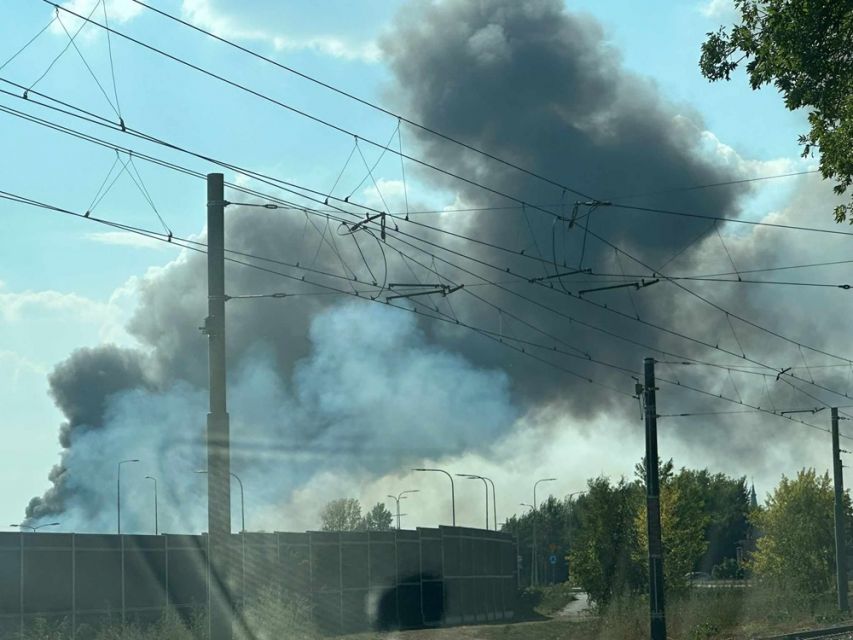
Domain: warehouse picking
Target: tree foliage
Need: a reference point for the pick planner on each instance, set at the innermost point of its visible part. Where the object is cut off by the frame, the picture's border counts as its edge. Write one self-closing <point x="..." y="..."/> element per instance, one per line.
<point x="343" y="514"/>
<point x="796" y="550"/>
<point x="684" y="521"/>
<point x="604" y="556"/>
<point x="379" y="518"/>
<point x="805" y="49"/>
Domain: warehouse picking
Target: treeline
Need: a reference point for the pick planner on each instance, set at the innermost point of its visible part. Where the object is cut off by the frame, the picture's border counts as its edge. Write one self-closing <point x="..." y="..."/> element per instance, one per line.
<point x="708" y="525"/>
<point x="344" y="514"/>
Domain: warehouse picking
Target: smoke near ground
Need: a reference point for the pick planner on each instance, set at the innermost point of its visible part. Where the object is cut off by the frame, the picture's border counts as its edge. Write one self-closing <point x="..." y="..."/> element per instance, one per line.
<point x="323" y="388"/>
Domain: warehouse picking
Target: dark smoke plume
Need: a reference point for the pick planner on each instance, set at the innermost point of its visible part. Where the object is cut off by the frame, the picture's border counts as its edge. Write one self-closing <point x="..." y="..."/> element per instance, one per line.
<point x="527" y="81"/>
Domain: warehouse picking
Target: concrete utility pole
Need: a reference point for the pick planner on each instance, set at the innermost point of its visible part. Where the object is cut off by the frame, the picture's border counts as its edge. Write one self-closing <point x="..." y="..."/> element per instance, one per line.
<point x="657" y="618"/>
<point x="840" y="546"/>
<point x="220" y="611"/>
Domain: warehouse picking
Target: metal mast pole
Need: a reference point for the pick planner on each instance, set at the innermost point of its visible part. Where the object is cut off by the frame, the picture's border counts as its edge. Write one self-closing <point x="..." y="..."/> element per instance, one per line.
<point x="156" y="516"/>
<point x="657" y="618"/>
<point x="494" y="503"/>
<point x="486" y="487"/>
<point x="218" y="452"/>
<point x="840" y="546"/>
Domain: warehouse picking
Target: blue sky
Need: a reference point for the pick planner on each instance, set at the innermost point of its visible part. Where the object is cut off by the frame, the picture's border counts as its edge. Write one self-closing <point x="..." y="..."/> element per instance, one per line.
<point x="65" y="283"/>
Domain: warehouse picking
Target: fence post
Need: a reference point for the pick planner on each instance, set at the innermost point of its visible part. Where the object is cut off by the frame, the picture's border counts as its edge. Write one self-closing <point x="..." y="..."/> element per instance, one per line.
<point x="121" y="539"/>
<point x="397" y="577"/>
<point x="341" y="582"/>
<point x="421" y="572"/>
<point x="166" y="563"/>
<point x="21" y="582"/>
<point x="73" y="585"/>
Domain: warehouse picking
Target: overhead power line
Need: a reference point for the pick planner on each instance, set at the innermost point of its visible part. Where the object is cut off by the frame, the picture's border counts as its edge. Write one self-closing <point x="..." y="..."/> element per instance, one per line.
<point x="367" y="103"/>
<point x="305" y="114"/>
<point x="725" y="183"/>
<point x="700" y="216"/>
<point x="201" y="248"/>
<point x="290" y="188"/>
<point x="439" y="134"/>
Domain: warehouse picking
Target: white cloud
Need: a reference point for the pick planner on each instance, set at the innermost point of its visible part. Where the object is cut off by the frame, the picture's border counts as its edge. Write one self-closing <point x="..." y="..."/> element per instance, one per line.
<point x="723" y="10"/>
<point x="202" y="14"/>
<point x="125" y="239"/>
<point x="118" y="12"/>
<point x="60" y="314"/>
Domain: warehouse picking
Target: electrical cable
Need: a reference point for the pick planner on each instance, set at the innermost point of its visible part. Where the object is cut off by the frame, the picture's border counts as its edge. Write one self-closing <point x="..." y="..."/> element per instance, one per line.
<point x="29" y="42"/>
<point x="252" y="174"/>
<point x="298" y="111"/>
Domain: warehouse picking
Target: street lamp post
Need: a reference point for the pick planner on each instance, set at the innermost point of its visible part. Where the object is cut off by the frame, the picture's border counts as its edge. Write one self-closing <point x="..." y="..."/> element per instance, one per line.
<point x="535" y="518"/>
<point x="472" y="476"/>
<point x="452" y="490"/>
<point x="494" y="502"/>
<point x="118" y="492"/>
<point x="34" y="529"/>
<point x="156" y="516"/>
<point x="397" y="498"/>
<point x="242" y="500"/>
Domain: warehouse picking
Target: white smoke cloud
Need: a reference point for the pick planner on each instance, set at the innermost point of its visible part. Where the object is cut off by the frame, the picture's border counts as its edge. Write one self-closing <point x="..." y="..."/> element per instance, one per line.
<point x="371" y="396"/>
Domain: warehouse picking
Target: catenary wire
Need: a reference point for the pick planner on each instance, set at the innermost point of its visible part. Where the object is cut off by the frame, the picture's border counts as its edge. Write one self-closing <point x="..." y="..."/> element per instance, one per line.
<point x="249" y="173"/>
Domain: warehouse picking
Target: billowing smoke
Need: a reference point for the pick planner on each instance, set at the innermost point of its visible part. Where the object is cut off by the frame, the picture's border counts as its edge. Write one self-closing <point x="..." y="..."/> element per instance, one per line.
<point x="319" y="385"/>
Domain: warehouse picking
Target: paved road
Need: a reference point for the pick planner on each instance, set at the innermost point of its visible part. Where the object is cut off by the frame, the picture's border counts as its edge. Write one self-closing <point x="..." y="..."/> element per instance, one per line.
<point x="577" y="609"/>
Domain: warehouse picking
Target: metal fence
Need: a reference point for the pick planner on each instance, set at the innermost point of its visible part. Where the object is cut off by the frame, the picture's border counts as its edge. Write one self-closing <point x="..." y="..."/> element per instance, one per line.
<point x="352" y="581"/>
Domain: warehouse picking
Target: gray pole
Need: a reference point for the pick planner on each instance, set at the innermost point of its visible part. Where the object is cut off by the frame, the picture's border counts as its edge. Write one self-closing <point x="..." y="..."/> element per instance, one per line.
<point x="218" y="452"/>
<point x="840" y="546"/>
<point x="242" y="504"/>
<point x="396" y="499"/>
<point x="156" y="516"/>
<point x="657" y="617"/>
<point x="494" y="503"/>
<point x="486" y="487"/>
<point x="118" y="494"/>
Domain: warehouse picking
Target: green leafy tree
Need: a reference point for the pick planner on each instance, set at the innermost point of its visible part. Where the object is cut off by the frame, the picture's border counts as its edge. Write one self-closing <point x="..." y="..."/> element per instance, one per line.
<point x="379" y="518"/>
<point x="796" y="550"/>
<point x="605" y="546"/>
<point x="805" y="49"/>
<point x="683" y="524"/>
<point x="725" y="503"/>
<point x="343" y="514"/>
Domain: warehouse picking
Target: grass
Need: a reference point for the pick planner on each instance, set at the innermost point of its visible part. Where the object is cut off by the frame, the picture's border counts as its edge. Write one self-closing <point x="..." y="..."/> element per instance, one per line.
<point x="538" y="602"/>
<point x="700" y="614"/>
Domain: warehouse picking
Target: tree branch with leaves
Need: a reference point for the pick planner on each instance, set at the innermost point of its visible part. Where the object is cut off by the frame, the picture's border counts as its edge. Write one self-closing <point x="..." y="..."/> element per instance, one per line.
<point x="805" y="49"/>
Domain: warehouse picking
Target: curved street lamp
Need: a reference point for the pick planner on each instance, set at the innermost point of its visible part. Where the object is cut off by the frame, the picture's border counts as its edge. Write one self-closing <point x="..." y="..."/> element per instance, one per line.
<point x="472" y="476"/>
<point x="118" y="492"/>
<point x="32" y="528"/>
<point x="242" y="501"/>
<point x="452" y="489"/>
<point x="397" y="498"/>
